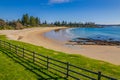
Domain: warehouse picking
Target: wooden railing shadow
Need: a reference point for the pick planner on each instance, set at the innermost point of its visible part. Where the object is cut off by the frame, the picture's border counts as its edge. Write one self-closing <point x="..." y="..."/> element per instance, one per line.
<point x="42" y="73"/>
<point x="47" y="68"/>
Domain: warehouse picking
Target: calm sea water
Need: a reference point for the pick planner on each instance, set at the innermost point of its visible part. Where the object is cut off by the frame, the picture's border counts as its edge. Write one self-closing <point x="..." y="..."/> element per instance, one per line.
<point x="105" y="33"/>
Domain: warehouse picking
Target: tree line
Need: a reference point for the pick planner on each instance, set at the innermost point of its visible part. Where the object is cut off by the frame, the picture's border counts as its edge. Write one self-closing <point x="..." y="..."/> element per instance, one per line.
<point x="25" y="21"/>
<point x="75" y="24"/>
<point x="31" y="21"/>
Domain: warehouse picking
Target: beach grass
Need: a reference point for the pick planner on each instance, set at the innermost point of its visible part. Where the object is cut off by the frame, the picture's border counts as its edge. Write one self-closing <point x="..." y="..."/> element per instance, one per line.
<point x="78" y="60"/>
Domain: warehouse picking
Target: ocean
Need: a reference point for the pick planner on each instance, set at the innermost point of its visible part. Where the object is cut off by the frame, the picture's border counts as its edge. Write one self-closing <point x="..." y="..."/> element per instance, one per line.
<point x="105" y="33"/>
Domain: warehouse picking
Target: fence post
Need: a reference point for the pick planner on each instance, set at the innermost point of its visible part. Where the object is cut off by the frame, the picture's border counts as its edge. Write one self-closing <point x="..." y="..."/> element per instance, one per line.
<point x="23" y="52"/>
<point x="10" y="46"/>
<point x="0" y="43"/>
<point x="33" y="57"/>
<point x="99" y="75"/>
<point x="16" y="49"/>
<point x="47" y="62"/>
<point x="67" y="74"/>
<point x="4" y="44"/>
<point x="113" y="79"/>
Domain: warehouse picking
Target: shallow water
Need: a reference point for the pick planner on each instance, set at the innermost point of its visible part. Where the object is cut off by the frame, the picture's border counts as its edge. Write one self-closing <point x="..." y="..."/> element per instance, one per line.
<point x="60" y="35"/>
<point x="106" y="33"/>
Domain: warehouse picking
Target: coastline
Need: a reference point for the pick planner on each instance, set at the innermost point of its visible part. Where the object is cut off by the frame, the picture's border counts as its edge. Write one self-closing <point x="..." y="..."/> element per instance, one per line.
<point x="36" y="36"/>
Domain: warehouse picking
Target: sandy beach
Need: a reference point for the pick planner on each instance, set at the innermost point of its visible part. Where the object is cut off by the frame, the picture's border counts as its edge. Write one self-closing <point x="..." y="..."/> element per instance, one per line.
<point x="36" y="36"/>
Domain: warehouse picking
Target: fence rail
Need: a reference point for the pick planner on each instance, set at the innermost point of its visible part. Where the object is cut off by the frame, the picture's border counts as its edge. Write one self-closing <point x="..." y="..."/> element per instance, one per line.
<point x="64" y="68"/>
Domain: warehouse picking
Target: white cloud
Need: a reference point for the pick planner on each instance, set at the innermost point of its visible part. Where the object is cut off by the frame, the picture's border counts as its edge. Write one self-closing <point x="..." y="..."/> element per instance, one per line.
<point x="59" y="1"/>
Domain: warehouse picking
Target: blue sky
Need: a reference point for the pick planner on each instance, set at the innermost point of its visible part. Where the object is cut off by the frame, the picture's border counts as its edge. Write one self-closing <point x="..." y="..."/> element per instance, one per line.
<point x="98" y="11"/>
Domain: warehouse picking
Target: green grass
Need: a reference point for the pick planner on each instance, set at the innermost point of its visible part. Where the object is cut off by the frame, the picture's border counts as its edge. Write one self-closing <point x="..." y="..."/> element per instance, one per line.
<point x="78" y="60"/>
<point x="10" y="70"/>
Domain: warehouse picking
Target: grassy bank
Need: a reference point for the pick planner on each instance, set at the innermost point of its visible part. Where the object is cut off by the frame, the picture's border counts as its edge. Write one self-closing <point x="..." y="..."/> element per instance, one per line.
<point x="10" y="70"/>
<point x="78" y="60"/>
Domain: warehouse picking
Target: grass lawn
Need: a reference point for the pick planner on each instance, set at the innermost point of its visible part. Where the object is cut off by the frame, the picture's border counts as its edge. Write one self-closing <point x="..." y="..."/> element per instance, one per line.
<point x="14" y="70"/>
<point x="10" y="70"/>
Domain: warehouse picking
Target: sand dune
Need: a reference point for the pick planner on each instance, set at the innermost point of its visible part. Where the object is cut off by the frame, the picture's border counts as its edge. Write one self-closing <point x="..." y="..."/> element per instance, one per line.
<point x="36" y="36"/>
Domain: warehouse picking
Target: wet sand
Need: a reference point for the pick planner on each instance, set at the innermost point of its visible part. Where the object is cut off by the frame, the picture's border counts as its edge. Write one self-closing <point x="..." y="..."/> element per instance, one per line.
<point x="36" y="36"/>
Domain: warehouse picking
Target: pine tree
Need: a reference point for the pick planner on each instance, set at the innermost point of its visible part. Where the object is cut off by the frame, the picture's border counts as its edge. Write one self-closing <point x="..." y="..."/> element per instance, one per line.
<point x="37" y="21"/>
<point x="32" y="21"/>
<point x="45" y="22"/>
<point x="25" y="20"/>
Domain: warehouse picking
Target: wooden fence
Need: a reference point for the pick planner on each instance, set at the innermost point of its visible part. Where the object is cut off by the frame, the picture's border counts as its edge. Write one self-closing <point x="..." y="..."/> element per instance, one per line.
<point x="69" y="71"/>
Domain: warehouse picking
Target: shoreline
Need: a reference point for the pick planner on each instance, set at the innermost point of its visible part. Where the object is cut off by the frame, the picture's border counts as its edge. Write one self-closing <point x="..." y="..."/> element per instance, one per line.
<point x="36" y="36"/>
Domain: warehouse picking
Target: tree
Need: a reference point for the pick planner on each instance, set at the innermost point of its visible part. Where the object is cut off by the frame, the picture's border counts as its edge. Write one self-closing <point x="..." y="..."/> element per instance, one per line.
<point x="32" y="21"/>
<point x="2" y="22"/>
<point x="16" y="25"/>
<point x="37" y="21"/>
<point x="64" y="23"/>
<point x="57" y="23"/>
<point x="25" y="20"/>
<point x="45" y="22"/>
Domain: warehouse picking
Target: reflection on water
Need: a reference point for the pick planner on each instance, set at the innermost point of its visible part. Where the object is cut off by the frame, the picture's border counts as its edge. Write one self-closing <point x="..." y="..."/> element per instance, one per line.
<point x="58" y="34"/>
<point x="57" y="30"/>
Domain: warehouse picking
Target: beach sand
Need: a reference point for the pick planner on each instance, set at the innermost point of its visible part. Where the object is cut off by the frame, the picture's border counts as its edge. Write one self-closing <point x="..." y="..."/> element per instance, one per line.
<point x="36" y="36"/>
